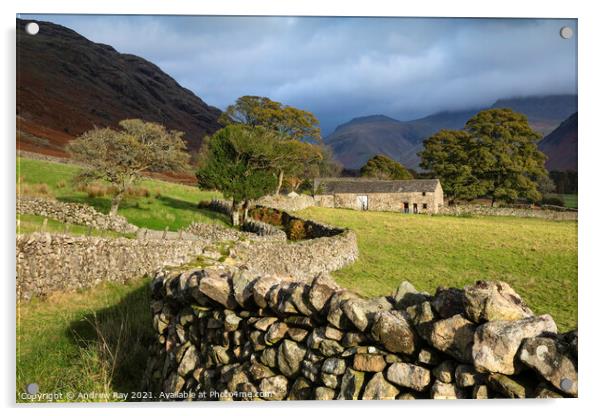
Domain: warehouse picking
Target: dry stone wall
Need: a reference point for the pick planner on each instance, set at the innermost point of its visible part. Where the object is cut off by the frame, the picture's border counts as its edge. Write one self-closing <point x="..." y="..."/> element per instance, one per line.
<point x="51" y="262"/>
<point x="73" y="213"/>
<point x="549" y="214"/>
<point x="230" y="334"/>
<point x="286" y="202"/>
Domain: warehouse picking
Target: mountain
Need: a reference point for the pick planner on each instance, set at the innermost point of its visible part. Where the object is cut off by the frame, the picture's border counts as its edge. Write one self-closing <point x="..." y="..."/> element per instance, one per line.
<point x="356" y="141"/>
<point x="67" y="84"/>
<point x="561" y="146"/>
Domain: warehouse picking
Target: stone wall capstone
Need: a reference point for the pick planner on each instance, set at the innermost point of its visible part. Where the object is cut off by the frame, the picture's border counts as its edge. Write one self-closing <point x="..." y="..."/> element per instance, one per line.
<point x="73" y="213"/>
<point x="230" y="334"/>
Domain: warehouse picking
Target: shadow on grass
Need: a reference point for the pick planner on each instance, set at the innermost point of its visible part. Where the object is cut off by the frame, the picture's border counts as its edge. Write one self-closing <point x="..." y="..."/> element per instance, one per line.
<point x="120" y="336"/>
<point x="190" y="206"/>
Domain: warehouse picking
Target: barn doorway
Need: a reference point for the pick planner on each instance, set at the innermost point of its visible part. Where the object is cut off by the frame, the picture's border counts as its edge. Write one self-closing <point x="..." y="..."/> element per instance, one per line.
<point x="362" y="202"/>
<point x="406" y="207"/>
<point x="415" y="208"/>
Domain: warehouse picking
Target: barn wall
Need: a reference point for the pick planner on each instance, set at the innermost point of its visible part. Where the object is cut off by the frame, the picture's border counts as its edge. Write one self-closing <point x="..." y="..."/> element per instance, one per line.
<point x="391" y="201"/>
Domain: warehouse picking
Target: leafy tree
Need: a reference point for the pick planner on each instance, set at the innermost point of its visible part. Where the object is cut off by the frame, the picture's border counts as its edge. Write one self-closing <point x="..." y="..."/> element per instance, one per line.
<point x="239" y="162"/>
<point x="506" y="158"/>
<point x="261" y="111"/>
<point x="448" y="154"/>
<point x="383" y="167"/>
<point x="291" y="124"/>
<point x="121" y="156"/>
<point x="495" y="155"/>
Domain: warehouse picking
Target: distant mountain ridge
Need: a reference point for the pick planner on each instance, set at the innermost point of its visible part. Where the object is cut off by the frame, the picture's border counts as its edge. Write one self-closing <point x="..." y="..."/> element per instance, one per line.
<point x="67" y="84"/>
<point x="561" y="145"/>
<point x="356" y="141"/>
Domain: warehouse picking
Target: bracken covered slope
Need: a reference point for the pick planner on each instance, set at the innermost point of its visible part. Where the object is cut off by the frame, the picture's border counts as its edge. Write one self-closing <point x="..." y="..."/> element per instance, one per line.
<point x="67" y="84"/>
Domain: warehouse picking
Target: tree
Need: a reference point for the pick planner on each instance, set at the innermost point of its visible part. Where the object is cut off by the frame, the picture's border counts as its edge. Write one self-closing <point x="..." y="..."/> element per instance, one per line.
<point x="506" y="158"/>
<point x="495" y="155"/>
<point x="239" y="162"/>
<point x="448" y="154"/>
<point x="383" y="167"/>
<point x="121" y="156"/>
<point x="288" y="122"/>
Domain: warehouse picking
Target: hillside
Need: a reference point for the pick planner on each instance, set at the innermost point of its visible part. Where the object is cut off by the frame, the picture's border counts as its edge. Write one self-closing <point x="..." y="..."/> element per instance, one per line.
<point x="561" y="145"/>
<point x="67" y="84"/>
<point x="356" y="141"/>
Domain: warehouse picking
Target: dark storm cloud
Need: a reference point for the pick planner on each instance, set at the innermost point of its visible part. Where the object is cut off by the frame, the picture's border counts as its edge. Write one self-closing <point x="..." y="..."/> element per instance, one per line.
<point x="340" y="68"/>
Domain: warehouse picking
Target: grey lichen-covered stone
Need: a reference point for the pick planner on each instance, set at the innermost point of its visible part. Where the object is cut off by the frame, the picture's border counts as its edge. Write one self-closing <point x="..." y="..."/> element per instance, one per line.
<point x="242" y="288"/>
<point x="493" y="301"/>
<point x="445" y="391"/>
<point x="300" y="298"/>
<point x="333" y="333"/>
<point x="290" y="355"/>
<point x="330" y="347"/>
<point x="409" y="375"/>
<point x="496" y="343"/>
<point x="324" y="393"/>
<point x="275" y="333"/>
<point x="480" y="391"/>
<point x="269" y="357"/>
<point x="468" y="376"/>
<point x="274" y="388"/>
<point x="322" y="288"/>
<point x="551" y="360"/>
<point x="408" y="395"/>
<point x="352" y="339"/>
<point x="297" y="334"/>
<point x="361" y="312"/>
<point x="453" y="336"/>
<point x="173" y="383"/>
<point x="407" y="295"/>
<point x="393" y="331"/>
<point x="261" y="288"/>
<point x="301" y="389"/>
<point x="329" y="380"/>
<point x="378" y="388"/>
<point x="264" y="323"/>
<point x="369" y="362"/>
<point x="231" y="321"/>
<point x="444" y="372"/>
<point x="259" y="371"/>
<point x="546" y="391"/>
<point x="189" y="361"/>
<point x="334" y="366"/>
<point x="336" y="315"/>
<point x="422" y="318"/>
<point x="351" y="384"/>
<point x="429" y="356"/>
<point x="217" y="287"/>
<point x="507" y="387"/>
<point x="448" y="302"/>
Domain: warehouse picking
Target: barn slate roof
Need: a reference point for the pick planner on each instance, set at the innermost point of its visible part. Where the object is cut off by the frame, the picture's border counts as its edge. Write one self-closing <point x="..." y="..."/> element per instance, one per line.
<point x="370" y="186"/>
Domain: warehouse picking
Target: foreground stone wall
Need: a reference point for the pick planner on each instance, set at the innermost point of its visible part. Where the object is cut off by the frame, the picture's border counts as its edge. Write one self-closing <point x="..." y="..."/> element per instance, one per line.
<point x="51" y="262"/>
<point x="73" y="213"/>
<point x="230" y="334"/>
<point x="549" y="214"/>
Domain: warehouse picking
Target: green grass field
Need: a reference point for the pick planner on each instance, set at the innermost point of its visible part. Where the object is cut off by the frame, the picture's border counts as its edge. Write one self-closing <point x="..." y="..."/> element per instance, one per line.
<point x="168" y="204"/>
<point x="92" y="341"/>
<point x="570" y="200"/>
<point x="538" y="258"/>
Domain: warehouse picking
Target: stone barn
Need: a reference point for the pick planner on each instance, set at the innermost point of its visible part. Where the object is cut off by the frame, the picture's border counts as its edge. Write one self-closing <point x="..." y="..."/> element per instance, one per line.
<point x="408" y="196"/>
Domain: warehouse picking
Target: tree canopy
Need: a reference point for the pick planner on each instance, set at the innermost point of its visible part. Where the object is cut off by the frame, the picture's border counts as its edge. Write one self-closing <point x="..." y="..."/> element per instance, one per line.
<point x="121" y="156"/>
<point x="383" y="167"/>
<point x="303" y="158"/>
<point x="495" y="155"/>
<point x="240" y="163"/>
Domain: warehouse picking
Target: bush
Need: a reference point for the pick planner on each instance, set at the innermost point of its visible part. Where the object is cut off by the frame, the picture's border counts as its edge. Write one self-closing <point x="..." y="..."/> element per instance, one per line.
<point x="295" y="230"/>
<point x="552" y="200"/>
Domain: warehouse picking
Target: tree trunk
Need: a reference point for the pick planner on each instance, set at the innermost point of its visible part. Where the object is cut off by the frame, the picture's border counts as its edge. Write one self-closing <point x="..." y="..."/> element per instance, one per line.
<point x="235" y="215"/>
<point x="492" y="202"/>
<point x="115" y="203"/>
<point x="245" y="211"/>
<point x="280" y="180"/>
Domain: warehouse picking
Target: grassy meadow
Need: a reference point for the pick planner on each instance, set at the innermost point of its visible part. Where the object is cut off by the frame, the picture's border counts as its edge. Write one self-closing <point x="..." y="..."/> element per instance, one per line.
<point x="95" y="340"/>
<point x="538" y="258"/>
<point x="153" y="204"/>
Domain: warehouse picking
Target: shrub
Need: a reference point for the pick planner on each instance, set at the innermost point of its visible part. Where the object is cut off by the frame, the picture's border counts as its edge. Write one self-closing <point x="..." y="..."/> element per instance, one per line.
<point x="295" y="229"/>
<point x="61" y="184"/>
<point x="552" y="200"/>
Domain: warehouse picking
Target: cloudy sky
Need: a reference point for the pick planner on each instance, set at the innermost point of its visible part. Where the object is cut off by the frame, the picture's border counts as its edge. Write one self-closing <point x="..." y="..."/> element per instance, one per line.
<point x="340" y="68"/>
